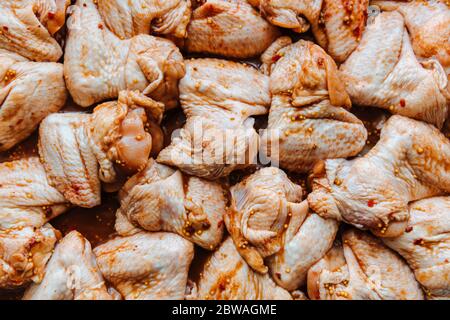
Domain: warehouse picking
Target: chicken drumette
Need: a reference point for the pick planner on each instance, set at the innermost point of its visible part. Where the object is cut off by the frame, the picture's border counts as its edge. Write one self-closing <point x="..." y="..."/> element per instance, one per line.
<point x="410" y="162"/>
<point x="308" y="120"/>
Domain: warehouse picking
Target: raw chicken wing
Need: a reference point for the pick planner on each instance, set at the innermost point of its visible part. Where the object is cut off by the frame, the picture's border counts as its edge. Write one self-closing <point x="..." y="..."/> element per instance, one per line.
<point x="27" y="203"/>
<point x="71" y="273"/>
<point x="147" y="266"/>
<point x="219" y="98"/>
<point x="129" y="18"/>
<point x="426" y="245"/>
<point x="267" y="219"/>
<point x="98" y="64"/>
<point x="308" y="120"/>
<point x="226" y="276"/>
<point x="428" y="24"/>
<point x="79" y="151"/>
<point x="410" y="162"/>
<point x="383" y="72"/>
<point x="230" y="28"/>
<point x="28" y="27"/>
<point x="362" y="268"/>
<point x="336" y="24"/>
<point x="160" y="198"/>
<point x="29" y="91"/>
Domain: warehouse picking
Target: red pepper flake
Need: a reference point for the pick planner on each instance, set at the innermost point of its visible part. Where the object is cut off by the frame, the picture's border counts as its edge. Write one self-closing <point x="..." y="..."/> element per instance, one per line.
<point x="402" y="103"/>
<point x="276" y="57"/>
<point x="100" y="26"/>
<point x="51" y="15"/>
<point x="418" y="242"/>
<point x="409" y="229"/>
<point x="5" y="28"/>
<point x="222" y="286"/>
<point x="321" y="62"/>
<point x="206" y="225"/>
<point x="357" y="32"/>
<point x="370" y="203"/>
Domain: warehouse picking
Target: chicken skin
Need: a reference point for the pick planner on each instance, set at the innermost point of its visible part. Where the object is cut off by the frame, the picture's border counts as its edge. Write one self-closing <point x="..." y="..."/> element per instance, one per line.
<point x="71" y="274"/>
<point x="267" y="219"/>
<point x="308" y="120"/>
<point x="98" y="64"/>
<point x="410" y="162"/>
<point x="426" y="245"/>
<point x="219" y="98"/>
<point x="28" y="27"/>
<point x="336" y="24"/>
<point x="147" y="266"/>
<point x="384" y="72"/>
<point x="79" y="151"/>
<point x="230" y="28"/>
<point x="27" y="203"/>
<point x="428" y="24"/>
<point x="29" y="91"/>
<point x="160" y="198"/>
<point x="226" y="276"/>
<point x="129" y="18"/>
<point x="362" y="268"/>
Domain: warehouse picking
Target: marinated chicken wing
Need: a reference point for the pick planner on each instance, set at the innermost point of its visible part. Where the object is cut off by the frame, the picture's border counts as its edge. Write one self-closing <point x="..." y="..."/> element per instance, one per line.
<point x="129" y="18"/>
<point x="410" y="162"/>
<point x="384" y="72"/>
<point x="219" y="98"/>
<point x="226" y="276"/>
<point x="230" y="28"/>
<point x="71" y="274"/>
<point x="27" y="203"/>
<point x="79" y="151"/>
<point x="426" y="245"/>
<point x="302" y="248"/>
<point x="336" y="24"/>
<point x="98" y="64"/>
<point x="29" y="91"/>
<point x="160" y="198"/>
<point x="308" y="120"/>
<point x="267" y="220"/>
<point x="147" y="266"/>
<point x="28" y="27"/>
<point x="362" y="268"/>
<point x="428" y="24"/>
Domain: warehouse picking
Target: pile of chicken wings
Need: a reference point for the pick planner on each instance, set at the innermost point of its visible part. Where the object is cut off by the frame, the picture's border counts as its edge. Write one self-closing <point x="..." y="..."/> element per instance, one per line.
<point x="347" y="206"/>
